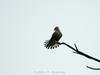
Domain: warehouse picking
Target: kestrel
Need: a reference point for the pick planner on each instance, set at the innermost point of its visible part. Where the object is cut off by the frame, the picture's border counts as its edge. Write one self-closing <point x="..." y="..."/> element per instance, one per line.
<point x="53" y="42"/>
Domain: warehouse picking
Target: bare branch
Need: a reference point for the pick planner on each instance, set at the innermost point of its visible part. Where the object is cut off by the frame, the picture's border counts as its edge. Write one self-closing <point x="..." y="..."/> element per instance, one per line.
<point x="82" y="53"/>
<point x="93" y="68"/>
<point x="75" y="46"/>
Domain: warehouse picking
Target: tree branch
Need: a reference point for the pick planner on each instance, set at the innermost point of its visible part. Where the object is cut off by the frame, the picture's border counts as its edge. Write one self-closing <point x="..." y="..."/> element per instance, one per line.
<point x="81" y="53"/>
<point x="93" y="68"/>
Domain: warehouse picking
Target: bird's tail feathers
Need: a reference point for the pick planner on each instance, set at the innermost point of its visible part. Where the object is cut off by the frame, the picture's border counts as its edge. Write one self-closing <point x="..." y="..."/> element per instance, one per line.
<point x="46" y="43"/>
<point x="52" y="47"/>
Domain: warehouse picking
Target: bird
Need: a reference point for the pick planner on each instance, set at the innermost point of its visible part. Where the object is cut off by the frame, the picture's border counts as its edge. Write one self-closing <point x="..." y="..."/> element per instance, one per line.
<point x="53" y="42"/>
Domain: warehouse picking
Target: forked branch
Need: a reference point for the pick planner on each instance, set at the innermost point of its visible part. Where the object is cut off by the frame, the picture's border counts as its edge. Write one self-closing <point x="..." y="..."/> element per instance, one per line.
<point x="81" y="53"/>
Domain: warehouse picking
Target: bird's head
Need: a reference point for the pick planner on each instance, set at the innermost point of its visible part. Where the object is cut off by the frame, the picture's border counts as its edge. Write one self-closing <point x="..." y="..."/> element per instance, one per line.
<point x="56" y="28"/>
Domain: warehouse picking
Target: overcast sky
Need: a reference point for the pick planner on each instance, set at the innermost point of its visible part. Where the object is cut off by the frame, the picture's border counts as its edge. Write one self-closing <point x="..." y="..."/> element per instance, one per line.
<point x="26" y="24"/>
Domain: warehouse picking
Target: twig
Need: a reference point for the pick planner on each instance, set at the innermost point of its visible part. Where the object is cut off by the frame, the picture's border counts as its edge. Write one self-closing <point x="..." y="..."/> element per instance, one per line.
<point x="93" y="68"/>
<point x="81" y="53"/>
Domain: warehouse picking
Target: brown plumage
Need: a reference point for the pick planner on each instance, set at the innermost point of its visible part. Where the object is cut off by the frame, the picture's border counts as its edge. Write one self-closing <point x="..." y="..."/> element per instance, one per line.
<point x="52" y="43"/>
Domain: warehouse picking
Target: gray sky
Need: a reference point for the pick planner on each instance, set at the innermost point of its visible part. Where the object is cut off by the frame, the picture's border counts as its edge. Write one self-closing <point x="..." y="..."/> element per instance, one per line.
<point x="26" y="24"/>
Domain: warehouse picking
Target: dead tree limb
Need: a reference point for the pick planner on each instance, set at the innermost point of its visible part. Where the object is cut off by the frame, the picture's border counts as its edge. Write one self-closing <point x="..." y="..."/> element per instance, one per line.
<point x="81" y="53"/>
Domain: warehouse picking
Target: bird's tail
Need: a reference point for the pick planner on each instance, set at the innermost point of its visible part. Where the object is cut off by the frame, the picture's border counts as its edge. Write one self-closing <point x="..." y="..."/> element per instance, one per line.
<point x="46" y="43"/>
<point x="51" y="47"/>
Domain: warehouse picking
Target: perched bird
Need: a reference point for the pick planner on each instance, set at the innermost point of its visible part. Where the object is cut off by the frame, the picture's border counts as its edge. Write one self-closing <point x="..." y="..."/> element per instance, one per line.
<point x="53" y="42"/>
